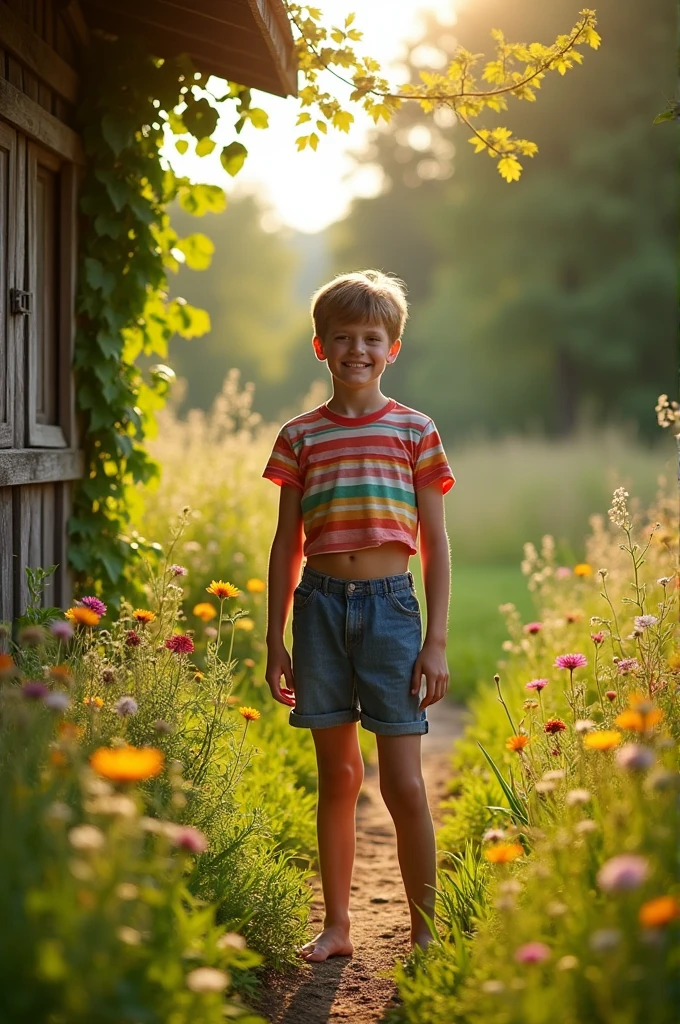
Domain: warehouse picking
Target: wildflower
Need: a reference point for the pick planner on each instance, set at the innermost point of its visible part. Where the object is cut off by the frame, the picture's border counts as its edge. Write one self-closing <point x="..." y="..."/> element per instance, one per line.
<point x="623" y="872"/>
<point x="586" y="825"/>
<point x="34" y="690"/>
<point x="256" y="586"/>
<point x="530" y="705"/>
<point x="536" y="684"/>
<point x="661" y="778"/>
<point x="562" y="572"/>
<point x="58" y="811"/>
<point x="162" y="727"/>
<point x="69" y="732"/>
<point x="108" y="675"/>
<point x="127" y="891"/>
<point x="62" y="673"/>
<point x="126" y="706"/>
<point x="130" y="936"/>
<point x="250" y="714"/>
<point x="533" y="627"/>
<point x="626" y="665"/>
<point x="190" y="839"/>
<point x="633" y="757"/>
<point x="493" y="987"/>
<point x="178" y="570"/>
<point x="643" y="622"/>
<point x="7" y="666"/>
<point x="584" y="725"/>
<point x="605" y="939"/>
<point x="607" y="739"/>
<point x="231" y="940"/>
<point x="132" y="638"/>
<point x="62" y="630"/>
<point x="143" y="616"/>
<point x="127" y="764"/>
<point x="556" y="909"/>
<point x="503" y="853"/>
<point x="245" y="623"/>
<point x="567" y="963"/>
<point x="95" y="604"/>
<point x="598" y="637"/>
<point x="571" y="661"/>
<point x="210" y="633"/>
<point x="555" y="774"/>
<point x="554" y="725"/>
<point x="114" y="804"/>
<point x="493" y="835"/>
<point x="545" y="786"/>
<point x="180" y="643"/>
<point x="658" y="912"/>
<point x="223" y="590"/>
<point x="198" y="675"/>
<point x="57" y="700"/>
<point x="618" y="513"/>
<point x="574" y="616"/>
<point x="639" y="719"/>
<point x="93" y="702"/>
<point x="532" y="953"/>
<point x="249" y="663"/>
<point x="207" y="979"/>
<point x="583" y="569"/>
<point x="204" y="611"/>
<point x="611" y="695"/>
<point x="82" y="616"/>
<point x="577" y="796"/>
<point x="86" y="837"/>
<point x="32" y="636"/>
<point x="517" y="743"/>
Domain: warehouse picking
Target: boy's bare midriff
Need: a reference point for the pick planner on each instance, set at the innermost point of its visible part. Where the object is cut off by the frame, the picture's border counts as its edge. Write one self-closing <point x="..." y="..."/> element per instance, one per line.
<point x="366" y="564"/>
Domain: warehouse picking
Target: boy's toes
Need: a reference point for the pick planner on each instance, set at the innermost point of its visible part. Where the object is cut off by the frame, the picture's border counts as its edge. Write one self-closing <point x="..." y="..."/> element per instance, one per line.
<point x="327" y="943"/>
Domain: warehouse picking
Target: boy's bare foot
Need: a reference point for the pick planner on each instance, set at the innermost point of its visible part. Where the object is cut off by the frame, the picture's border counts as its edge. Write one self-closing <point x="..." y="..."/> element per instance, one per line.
<point x="332" y="941"/>
<point x="421" y="939"/>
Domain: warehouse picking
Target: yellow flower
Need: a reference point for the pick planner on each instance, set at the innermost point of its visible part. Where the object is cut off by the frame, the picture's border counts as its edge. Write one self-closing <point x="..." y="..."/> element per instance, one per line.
<point x="250" y="714"/>
<point x="583" y="569"/>
<point x="658" y="912"/>
<point x="503" y="853"/>
<point x="82" y="615"/>
<point x="607" y="739"/>
<point x="674" y="661"/>
<point x="517" y="743"/>
<point x="244" y="623"/>
<point x="143" y="615"/>
<point x="221" y="589"/>
<point x="256" y="586"/>
<point x="93" y="702"/>
<point x="127" y="764"/>
<point x="638" y="721"/>
<point x="205" y="611"/>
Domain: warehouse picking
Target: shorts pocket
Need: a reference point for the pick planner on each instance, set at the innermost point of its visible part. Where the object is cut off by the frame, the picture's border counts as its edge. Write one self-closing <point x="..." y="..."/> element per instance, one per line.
<point x="405" y="601"/>
<point x="303" y="595"/>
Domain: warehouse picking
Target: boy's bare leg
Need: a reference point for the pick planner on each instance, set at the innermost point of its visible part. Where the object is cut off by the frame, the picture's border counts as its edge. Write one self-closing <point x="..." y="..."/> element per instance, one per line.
<point x="403" y="790"/>
<point x="341" y="772"/>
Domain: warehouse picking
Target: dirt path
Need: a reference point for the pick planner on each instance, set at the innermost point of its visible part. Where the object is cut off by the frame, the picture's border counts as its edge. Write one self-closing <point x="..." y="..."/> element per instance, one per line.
<point x="359" y="989"/>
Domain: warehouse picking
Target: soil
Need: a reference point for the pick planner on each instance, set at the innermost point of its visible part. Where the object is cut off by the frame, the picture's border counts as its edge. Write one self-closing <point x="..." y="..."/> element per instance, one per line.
<point x="359" y="989"/>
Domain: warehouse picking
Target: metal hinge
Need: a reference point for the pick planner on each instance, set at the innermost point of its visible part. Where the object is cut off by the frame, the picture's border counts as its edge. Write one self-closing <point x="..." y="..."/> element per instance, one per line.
<point x="20" y="302"/>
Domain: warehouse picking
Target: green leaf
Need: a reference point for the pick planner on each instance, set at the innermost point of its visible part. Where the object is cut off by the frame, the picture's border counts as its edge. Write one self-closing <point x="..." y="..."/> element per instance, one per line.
<point x="181" y="146"/>
<point x="99" y="278"/>
<point x="201" y="199"/>
<point x="198" y="250"/>
<point x="517" y="807"/>
<point x="258" y="118"/>
<point x="204" y="147"/>
<point x="233" y="157"/>
<point x="112" y="227"/>
<point x="117" y="132"/>
<point x="666" y="116"/>
<point x="200" y="117"/>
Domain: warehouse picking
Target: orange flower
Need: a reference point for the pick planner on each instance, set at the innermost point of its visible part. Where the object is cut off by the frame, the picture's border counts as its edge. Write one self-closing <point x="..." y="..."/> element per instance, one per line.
<point x="62" y="673"/>
<point x="256" y="586"/>
<point x="127" y="764"/>
<point x="503" y="853"/>
<point x="607" y="739"/>
<point x="250" y="714"/>
<point x="583" y="569"/>
<point x="143" y="615"/>
<point x="222" y="590"/>
<point x="69" y="732"/>
<point x="58" y="758"/>
<point x="82" y="615"/>
<point x="231" y="699"/>
<point x="658" y="912"/>
<point x="517" y="743"/>
<point x="640" y="716"/>
<point x="93" y="702"/>
<point x="205" y="611"/>
<point x="7" y="663"/>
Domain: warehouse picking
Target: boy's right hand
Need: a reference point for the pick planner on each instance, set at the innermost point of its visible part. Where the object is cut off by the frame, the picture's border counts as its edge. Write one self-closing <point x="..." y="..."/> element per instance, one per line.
<point x="279" y="664"/>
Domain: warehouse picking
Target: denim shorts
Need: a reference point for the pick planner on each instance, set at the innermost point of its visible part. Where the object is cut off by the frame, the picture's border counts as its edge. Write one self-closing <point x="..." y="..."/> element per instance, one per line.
<point x="355" y="643"/>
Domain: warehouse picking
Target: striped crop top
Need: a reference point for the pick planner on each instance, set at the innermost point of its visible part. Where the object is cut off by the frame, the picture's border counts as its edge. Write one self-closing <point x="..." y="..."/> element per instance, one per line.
<point x="359" y="477"/>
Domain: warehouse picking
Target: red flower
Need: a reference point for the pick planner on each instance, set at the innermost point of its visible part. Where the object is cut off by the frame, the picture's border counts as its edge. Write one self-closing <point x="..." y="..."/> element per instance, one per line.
<point x="180" y="643"/>
<point x="554" y="725"/>
<point x="132" y="638"/>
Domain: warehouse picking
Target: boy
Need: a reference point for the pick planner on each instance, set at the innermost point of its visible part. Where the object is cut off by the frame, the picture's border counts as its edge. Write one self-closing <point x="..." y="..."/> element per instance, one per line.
<point x="359" y="475"/>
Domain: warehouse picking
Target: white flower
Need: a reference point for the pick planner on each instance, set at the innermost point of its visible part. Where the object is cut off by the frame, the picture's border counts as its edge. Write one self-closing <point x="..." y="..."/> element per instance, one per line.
<point x="207" y="979"/>
<point x="555" y="774"/>
<point x="127" y="891"/>
<point x="577" y="796"/>
<point x="618" y="513"/>
<point x="231" y="940"/>
<point x="130" y="936"/>
<point x="587" y="825"/>
<point x="57" y="700"/>
<point x="567" y="963"/>
<point x="645" y="621"/>
<point x="86" y="837"/>
<point x="584" y="725"/>
<point x="126" y="706"/>
<point x="492" y="987"/>
<point x="634" y="757"/>
<point x="545" y="786"/>
<point x="59" y="811"/>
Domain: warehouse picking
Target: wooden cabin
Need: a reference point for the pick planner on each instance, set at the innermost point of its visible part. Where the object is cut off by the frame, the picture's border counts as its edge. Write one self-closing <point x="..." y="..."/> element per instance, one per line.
<point x="41" y="156"/>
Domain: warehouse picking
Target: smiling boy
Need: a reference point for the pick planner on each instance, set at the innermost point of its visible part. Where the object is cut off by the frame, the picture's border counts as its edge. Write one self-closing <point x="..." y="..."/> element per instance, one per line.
<point x="361" y="477"/>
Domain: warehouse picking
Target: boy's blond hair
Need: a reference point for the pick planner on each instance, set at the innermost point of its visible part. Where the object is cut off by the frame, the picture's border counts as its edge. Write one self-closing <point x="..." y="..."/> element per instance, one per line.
<point x="364" y="296"/>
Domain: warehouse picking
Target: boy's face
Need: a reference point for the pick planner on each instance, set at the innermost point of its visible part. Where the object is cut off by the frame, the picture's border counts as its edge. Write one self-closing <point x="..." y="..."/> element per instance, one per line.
<point x="356" y="353"/>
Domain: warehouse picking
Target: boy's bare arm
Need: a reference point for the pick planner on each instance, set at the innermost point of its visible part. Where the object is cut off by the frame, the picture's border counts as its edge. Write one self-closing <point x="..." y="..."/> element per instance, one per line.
<point x="284" y="569"/>
<point x="436" y="563"/>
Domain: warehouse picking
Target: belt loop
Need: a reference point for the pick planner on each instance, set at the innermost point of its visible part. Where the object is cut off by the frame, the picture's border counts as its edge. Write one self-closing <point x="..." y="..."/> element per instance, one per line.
<point x="388" y="585"/>
<point x="324" y="585"/>
<point x="410" y="578"/>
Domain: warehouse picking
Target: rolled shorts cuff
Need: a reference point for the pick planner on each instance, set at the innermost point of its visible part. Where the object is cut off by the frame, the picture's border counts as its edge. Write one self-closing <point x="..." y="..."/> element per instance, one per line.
<point x="394" y="728"/>
<point x="325" y="721"/>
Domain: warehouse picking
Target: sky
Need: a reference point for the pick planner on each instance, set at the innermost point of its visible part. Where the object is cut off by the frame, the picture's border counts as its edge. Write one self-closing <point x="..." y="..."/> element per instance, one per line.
<point x="309" y="190"/>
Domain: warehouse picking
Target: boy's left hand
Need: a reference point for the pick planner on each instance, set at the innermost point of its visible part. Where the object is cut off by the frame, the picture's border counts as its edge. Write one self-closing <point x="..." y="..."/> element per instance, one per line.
<point x="431" y="663"/>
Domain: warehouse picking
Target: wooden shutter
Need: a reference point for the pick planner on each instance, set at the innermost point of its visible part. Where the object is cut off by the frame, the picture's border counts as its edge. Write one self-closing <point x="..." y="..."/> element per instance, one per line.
<point x="8" y="207"/>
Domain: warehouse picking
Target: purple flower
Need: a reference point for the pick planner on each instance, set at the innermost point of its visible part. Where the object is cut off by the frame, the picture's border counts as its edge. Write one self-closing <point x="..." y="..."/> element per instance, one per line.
<point x="62" y="630"/>
<point x="626" y="665"/>
<point x="571" y="661"/>
<point x="537" y="684"/>
<point x="624" y="872"/>
<point x="94" y="603"/>
<point x="34" y="690"/>
<point x="532" y="953"/>
<point x="178" y="570"/>
<point x="190" y="839"/>
<point x="126" y="706"/>
<point x="644" y="621"/>
<point x="633" y="757"/>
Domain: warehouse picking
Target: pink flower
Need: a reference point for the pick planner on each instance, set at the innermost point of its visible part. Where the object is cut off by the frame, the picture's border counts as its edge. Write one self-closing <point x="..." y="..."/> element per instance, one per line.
<point x="597" y="638"/>
<point x="611" y="694"/>
<point x="62" y="630"/>
<point x="537" y="684"/>
<point x="634" y="757"/>
<point x="571" y="661"/>
<point x="180" y="643"/>
<point x="34" y="690"/>
<point x="178" y="570"/>
<point x="132" y="638"/>
<point x="533" y="953"/>
<point x="190" y="839"/>
<point x="622" y="873"/>
<point x="95" y="604"/>
<point x="533" y="627"/>
<point x="626" y="665"/>
<point x="562" y="572"/>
